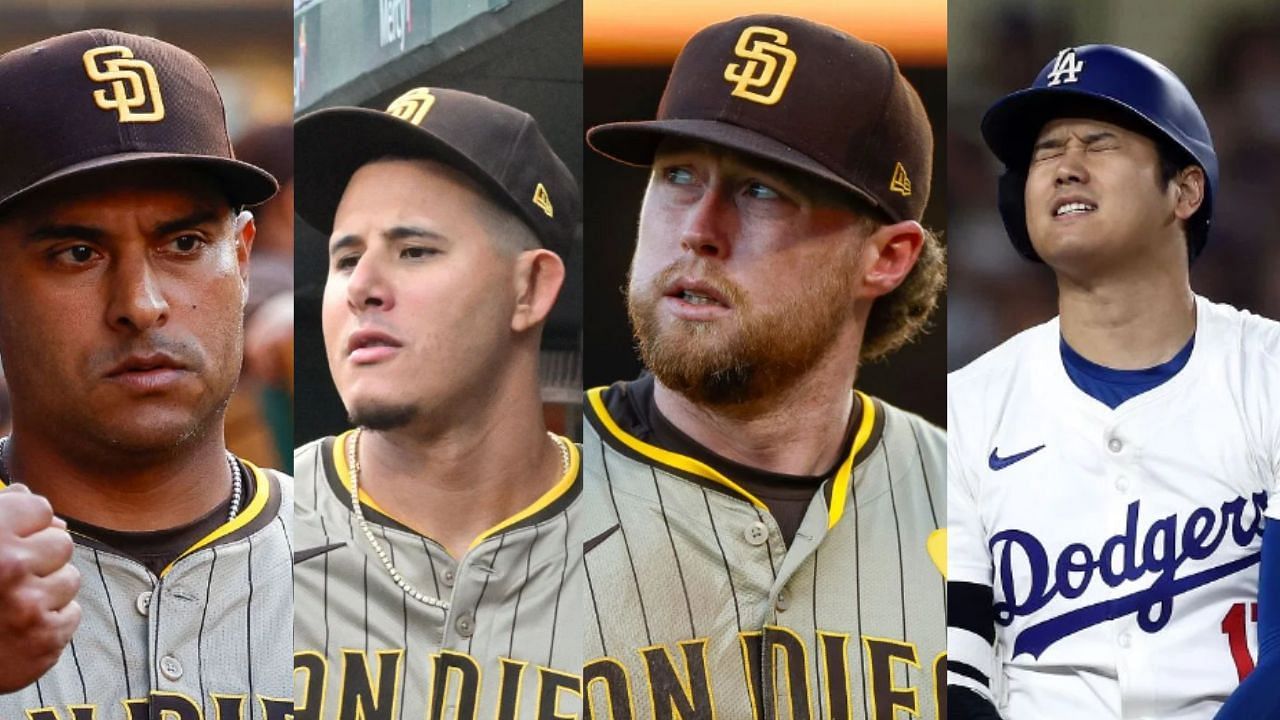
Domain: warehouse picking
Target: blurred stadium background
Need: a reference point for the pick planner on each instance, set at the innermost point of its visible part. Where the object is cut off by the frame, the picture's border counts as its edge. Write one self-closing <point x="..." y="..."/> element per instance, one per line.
<point x="628" y="50"/>
<point x="1228" y="54"/>
<point x="526" y="53"/>
<point x="245" y="44"/>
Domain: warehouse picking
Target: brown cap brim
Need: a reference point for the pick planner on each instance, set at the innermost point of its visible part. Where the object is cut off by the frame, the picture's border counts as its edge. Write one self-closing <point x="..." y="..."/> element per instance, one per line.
<point x="636" y="143"/>
<point x="330" y="145"/>
<point x="244" y="185"/>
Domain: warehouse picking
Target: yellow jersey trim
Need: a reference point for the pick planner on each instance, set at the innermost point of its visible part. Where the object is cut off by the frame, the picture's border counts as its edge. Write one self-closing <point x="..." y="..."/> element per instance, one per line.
<point x="843" y="482"/>
<point x="555" y="493"/>
<point x="840" y="485"/>
<point x="344" y="475"/>
<point x="550" y="496"/>
<point x="262" y="493"/>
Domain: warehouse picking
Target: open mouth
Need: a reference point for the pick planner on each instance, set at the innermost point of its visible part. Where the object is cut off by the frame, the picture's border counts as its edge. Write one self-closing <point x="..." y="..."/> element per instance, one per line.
<point x="696" y="293"/>
<point x="1068" y="209"/>
<point x="695" y="298"/>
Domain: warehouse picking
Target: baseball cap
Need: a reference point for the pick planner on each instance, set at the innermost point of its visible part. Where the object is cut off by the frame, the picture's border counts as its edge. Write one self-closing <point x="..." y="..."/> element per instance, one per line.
<point x="101" y="98"/>
<point x="496" y="145"/>
<point x="801" y="94"/>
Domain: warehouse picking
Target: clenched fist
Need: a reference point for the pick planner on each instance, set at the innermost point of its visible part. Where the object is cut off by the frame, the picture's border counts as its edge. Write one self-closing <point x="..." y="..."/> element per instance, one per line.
<point x="38" y="585"/>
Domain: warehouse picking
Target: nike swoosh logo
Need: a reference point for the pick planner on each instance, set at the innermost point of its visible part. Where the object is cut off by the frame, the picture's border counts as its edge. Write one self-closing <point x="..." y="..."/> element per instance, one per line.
<point x="302" y="556"/>
<point x="588" y="545"/>
<point x="999" y="463"/>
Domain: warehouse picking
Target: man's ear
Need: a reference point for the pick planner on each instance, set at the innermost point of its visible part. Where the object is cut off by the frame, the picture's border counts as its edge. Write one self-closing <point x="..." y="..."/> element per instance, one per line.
<point x="538" y="276"/>
<point x="1190" y="185"/>
<point x="244" y="231"/>
<point x="888" y="255"/>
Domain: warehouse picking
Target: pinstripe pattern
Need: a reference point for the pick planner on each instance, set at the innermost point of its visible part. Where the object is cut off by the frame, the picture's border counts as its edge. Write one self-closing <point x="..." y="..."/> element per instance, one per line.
<point x="215" y="616"/>
<point x="694" y="614"/>
<point x="515" y="615"/>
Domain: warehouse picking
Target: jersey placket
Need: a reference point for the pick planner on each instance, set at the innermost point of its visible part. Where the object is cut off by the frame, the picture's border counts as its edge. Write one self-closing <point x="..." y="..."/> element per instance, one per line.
<point x="813" y="528"/>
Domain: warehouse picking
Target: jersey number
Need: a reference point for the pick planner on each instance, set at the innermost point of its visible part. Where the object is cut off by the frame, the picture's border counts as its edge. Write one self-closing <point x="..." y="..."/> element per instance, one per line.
<point x="1234" y="627"/>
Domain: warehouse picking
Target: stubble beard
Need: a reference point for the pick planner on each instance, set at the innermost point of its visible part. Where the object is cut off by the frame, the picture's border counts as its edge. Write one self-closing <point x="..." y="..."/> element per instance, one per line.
<point x="755" y="354"/>
<point x="382" y="416"/>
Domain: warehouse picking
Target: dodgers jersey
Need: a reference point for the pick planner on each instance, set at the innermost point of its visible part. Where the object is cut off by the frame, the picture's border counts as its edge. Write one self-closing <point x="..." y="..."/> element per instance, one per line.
<point x="697" y="608"/>
<point x="1122" y="546"/>
<point x="509" y="647"/>
<point x="207" y="639"/>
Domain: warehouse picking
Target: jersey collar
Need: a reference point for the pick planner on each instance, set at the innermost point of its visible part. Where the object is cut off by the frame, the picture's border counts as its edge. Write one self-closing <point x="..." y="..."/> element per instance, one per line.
<point x="870" y="425"/>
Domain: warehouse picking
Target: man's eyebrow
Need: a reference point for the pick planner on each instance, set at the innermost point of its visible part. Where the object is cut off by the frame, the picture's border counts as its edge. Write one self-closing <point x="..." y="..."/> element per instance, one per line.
<point x="89" y="233"/>
<point x="1052" y="143"/>
<point x="64" y="231"/>
<point x="343" y="243"/>
<point x="195" y="218"/>
<point x="391" y="234"/>
<point x="406" y="232"/>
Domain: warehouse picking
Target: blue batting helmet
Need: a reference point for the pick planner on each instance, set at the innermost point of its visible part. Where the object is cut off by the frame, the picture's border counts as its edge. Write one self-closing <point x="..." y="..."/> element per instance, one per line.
<point x="1098" y="78"/>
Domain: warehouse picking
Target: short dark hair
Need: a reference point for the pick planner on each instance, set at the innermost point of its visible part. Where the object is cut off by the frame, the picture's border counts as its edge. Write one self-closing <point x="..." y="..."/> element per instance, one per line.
<point x="1173" y="160"/>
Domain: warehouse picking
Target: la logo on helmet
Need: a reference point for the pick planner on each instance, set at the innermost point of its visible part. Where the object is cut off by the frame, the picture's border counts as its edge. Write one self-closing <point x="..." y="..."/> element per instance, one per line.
<point x="1065" y="68"/>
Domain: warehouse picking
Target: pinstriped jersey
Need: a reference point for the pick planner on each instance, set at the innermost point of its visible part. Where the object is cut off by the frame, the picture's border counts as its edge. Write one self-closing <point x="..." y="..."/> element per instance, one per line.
<point x="697" y="608"/>
<point x="208" y="639"/>
<point x="510" y="645"/>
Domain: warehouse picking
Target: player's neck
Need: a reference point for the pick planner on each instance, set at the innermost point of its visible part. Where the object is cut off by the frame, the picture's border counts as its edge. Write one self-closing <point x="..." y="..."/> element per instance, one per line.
<point x="123" y="491"/>
<point x="455" y="480"/>
<point x="800" y="432"/>
<point x="1128" y="325"/>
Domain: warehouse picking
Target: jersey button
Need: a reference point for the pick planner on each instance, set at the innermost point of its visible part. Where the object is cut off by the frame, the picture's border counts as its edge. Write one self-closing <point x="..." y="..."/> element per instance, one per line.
<point x="1123" y="640"/>
<point x="757" y="533"/>
<point x="1115" y="445"/>
<point x="783" y="602"/>
<point x="143" y="603"/>
<point x="465" y="625"/>
<point x="1122" y="484"/>
<point x="448" y="577"/>
<point x="170" y="667"/>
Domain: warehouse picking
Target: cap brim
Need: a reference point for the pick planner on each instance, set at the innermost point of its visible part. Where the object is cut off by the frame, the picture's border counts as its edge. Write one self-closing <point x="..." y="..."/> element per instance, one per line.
<point x="330" y="145"/>
<point x="636" y="143"/>
<point x="1012" y="125"/>
<point x="244" y="184"/>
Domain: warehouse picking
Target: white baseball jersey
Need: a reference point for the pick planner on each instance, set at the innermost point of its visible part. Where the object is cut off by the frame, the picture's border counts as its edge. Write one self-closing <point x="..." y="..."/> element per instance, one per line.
<point x="509" y="647"/>
<point x="697" y="608"/>
<point x="1122" y="546"/>
<point x="208" y="639"/>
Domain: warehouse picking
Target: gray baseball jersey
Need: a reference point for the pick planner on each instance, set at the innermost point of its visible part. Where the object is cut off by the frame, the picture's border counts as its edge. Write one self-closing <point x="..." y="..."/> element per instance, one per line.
<point x="697" y="608"/>
<point x="510" y="645"/>
<point x="206" y="639"/>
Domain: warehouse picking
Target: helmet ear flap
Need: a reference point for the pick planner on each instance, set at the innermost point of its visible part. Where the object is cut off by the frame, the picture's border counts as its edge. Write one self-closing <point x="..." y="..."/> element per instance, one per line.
<point x="1013" y="210"/>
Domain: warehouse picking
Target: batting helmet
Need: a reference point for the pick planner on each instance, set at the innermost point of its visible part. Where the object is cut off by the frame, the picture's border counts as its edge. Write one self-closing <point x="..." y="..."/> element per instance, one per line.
<point x="1090" y="79"/>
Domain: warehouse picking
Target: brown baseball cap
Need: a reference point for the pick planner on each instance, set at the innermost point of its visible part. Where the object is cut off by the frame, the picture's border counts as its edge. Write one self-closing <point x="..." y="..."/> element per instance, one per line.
<point x="101" y="98"/>
<point x="496" y="145"/>
<point x="800" y="94"/>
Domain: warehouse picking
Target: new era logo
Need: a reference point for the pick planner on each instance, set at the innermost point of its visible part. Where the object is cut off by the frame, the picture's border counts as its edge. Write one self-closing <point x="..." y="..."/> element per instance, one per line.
<point x="769" y="63"/>
<point x="133" y="83"/>
<point x="543" y="200"/>
<point x="900" y="183"/>
<point x="412" y="106"/>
